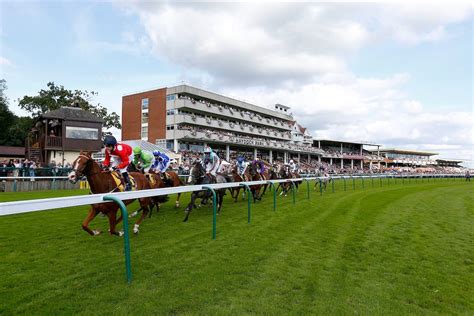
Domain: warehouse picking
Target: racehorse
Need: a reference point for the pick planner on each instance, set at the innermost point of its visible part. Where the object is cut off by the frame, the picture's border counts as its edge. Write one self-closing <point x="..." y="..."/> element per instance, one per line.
<point x="103" y="182"/>
<point x="256" y="176"/>
<point x="284" y="173"/>
<point x="238" y="178"/>
<point x="158" y="182"/>
<point x="198" y="176"/>
<point x="323" y="182"/>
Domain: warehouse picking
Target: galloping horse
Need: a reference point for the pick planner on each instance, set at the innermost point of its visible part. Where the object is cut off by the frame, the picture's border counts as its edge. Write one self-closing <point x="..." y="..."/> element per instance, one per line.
<point x="197" y="175"/>
<point x="157" y="182"/>
<point x="323" y="183"/>
<point x="256" y="176"/>
<point x="238" y="178"/>
<point x="103" y="182"/>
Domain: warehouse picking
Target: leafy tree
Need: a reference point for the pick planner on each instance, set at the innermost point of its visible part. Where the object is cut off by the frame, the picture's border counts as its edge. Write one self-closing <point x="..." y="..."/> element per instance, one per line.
<point x="57" y="96"/>
<point x="7" y="118"/>
<point x="14" y="129"/>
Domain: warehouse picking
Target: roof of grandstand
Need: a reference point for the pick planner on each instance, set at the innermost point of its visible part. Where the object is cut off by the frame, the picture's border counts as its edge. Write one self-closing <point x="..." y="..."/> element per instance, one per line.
<point x="449" y="160"/>
<point x="348" y="142"/>
<point x="147" y="146"/>
<point x="407" y="151"/>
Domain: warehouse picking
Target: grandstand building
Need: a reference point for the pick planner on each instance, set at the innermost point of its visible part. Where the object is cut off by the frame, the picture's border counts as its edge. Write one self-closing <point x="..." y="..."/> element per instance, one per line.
<point x="407" y="158"/>
<point x="348" y="155"/>
<point x="185" y="118"/>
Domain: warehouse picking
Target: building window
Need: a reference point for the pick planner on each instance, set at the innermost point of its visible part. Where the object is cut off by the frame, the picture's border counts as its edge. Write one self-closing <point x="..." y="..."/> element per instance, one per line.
<point x="144" y="117"/>
<point x="144" y="104"/>
<point x="170" y="97"/>
<point x="82" y="132"/>
<point x="171" y="112"/>
<point x="169" y="127"/>
<point x="145" y="132"/>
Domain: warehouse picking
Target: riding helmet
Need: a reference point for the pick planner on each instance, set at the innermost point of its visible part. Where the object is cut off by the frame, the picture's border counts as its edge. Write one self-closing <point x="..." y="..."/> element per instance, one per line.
<point x="156" y="153"/>
<point x="137" y="150"/>
<point x="110" y="141"/>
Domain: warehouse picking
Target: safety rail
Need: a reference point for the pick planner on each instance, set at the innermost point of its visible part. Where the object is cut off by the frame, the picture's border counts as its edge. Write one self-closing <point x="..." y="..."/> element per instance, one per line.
<point x="26" y="206"/>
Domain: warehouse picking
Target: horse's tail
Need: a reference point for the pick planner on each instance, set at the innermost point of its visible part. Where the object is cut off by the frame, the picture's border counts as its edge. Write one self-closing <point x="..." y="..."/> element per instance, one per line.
<point x="162" y="198"/>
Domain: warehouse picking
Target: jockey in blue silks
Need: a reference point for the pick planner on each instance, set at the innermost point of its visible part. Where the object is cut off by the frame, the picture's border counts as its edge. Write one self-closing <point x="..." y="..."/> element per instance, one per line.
<point x="161" y="163"/>
<point x="241" y="166"/>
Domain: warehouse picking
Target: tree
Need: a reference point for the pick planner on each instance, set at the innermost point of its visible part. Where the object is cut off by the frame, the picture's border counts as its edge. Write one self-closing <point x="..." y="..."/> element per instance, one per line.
<point x="14" y="129"/>
<point x="7" y="117"/>
<point x="57" y="96"/>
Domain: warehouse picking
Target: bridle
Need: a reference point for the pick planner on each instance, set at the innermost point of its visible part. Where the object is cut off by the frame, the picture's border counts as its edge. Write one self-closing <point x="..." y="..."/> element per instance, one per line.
<point x="81" y="173"/>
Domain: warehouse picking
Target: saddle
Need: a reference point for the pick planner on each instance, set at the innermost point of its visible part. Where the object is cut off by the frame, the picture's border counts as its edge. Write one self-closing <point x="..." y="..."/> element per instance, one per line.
<point x="120" y="182"/>
<point x="150" y="178"/>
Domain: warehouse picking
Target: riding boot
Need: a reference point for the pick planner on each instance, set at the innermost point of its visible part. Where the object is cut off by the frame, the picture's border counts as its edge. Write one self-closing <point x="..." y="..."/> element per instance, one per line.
<point x="128" y="184"/>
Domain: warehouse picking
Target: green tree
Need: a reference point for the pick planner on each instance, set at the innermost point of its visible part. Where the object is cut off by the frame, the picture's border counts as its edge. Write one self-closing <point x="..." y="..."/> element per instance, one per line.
<point x="7" y="118"/>
<point x="57" y="96"/>
<point x="14" y="129"/>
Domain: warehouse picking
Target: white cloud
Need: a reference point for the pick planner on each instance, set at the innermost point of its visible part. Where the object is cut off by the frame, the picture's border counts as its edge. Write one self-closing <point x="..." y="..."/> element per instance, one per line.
<point x="5" y="61"/>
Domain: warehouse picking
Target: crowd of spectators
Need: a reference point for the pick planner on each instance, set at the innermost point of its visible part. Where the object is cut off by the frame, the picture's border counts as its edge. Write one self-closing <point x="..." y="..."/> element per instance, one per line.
<point x="31" y="169"/>
<point x="242" y="112"/>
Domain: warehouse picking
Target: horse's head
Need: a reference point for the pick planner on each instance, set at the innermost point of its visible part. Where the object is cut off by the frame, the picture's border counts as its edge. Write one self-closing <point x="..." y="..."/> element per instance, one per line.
<point x="196" y="173"/>
<point x="80" y="167"/>
<point x="252" y="169"/>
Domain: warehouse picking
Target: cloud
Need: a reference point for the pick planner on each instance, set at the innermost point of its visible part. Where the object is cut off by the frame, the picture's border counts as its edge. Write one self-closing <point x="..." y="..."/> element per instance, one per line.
<point x="5" y="61"/>
<point x="280" y="43"/>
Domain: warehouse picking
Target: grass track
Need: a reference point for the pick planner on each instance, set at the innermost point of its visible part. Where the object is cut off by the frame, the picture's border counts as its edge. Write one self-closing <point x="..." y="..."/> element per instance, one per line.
<point x="390" y="248"/>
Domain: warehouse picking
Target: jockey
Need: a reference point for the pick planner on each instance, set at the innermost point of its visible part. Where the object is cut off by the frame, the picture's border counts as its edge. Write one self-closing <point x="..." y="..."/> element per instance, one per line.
<point x="121" y="154"/>
<point x="142" y="160"/>
<point x="211" y="161"/>
<point x="293" y="166"/>
<point x="161" y="163"/>
<point x="241" y="166"/>
<point x="260" y="166"/>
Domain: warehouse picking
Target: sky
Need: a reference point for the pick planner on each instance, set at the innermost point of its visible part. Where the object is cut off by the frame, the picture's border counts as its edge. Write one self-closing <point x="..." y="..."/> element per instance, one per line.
<point x="400" y="75"/>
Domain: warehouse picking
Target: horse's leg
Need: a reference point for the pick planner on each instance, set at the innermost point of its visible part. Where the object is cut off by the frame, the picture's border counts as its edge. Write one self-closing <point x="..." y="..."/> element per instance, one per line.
<point x="85" y="224"/>
<point x="112" y="215"/>
<point x="237" y="191"/>
<point x="144" y="203"/>
<point x="177" y="200"/>
<point x="133" y="214"/>
<point x="190" y="206"/>
<point x="220" y="199"/>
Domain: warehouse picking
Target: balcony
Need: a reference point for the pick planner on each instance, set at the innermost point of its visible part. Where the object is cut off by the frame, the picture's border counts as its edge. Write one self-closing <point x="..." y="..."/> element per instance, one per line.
<point x="227" y="126"/>
<point x="53" y="142"/>
<point x="231" y="114"/>
<point x="192" y="135"/>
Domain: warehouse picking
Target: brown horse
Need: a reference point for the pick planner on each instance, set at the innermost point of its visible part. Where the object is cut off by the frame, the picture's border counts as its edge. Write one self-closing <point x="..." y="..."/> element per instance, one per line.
<point x="157" y="182"/>
<point x="238" y="178"/>
<point x="103" y="182"/>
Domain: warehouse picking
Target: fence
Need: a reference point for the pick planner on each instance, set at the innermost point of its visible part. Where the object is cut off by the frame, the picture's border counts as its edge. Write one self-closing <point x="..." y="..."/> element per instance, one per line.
<point x="19" y="207"/>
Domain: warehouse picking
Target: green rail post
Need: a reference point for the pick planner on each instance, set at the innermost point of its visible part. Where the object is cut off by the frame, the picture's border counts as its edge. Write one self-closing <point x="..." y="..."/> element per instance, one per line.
<point x="307" y="186"/>
<point x="293" y="186"/>
<point x="272" y="185"/>
<point x="372" y="178"/>
<point x="14" y="185"/>
<point x="214" y="211"/>
<point x="332" y="183"/>
<point x="353" y="183"/>
<point x="363" y="186"/>
<point x="249" y="194"/>
<point x="126" y="238"/>
<point x="344" y="178"/>
<point x="380" y="178"/>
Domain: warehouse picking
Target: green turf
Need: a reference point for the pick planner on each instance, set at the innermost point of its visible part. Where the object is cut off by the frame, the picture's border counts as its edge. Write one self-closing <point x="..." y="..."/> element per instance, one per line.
<point x="390" y="248"/>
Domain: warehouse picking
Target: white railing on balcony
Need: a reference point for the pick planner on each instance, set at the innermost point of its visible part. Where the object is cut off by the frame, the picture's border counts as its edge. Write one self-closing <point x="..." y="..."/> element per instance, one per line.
<point x="232" y="114"/>
<point x="224" y="125"/>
